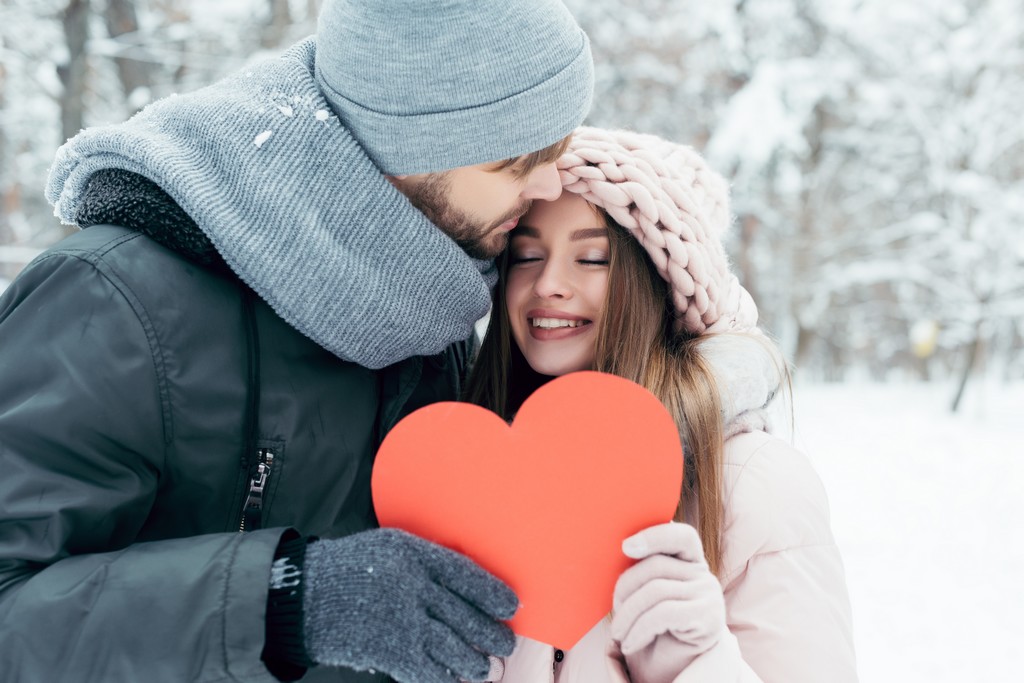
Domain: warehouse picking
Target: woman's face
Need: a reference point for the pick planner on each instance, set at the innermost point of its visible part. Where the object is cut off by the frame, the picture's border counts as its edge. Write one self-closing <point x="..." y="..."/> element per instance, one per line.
<point x="556" y="284"/>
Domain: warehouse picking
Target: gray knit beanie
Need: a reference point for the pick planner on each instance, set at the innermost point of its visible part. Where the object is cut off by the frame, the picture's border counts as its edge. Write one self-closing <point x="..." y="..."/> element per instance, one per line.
<point x="430" y="85"/>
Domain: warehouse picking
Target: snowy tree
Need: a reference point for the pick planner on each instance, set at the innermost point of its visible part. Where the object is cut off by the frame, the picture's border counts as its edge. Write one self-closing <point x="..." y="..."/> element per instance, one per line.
<point x="855" y="218"/>
<point x="68" y="64"/>
<point x="30" y="122"/>
<point x="967" y="77"/>
<point x="873" y="146"/>
<point x="922" y="165"/>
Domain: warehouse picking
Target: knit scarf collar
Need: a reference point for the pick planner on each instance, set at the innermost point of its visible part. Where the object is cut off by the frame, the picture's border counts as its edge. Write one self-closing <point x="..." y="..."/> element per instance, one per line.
<point x="296" y="209"/>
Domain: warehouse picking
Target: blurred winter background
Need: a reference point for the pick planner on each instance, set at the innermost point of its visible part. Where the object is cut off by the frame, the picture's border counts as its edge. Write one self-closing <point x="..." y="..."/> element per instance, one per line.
<point x="876" y="154"/>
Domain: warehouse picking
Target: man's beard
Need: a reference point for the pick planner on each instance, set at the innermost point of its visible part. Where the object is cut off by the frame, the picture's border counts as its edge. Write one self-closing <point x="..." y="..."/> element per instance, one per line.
<point x="477" y="239"/>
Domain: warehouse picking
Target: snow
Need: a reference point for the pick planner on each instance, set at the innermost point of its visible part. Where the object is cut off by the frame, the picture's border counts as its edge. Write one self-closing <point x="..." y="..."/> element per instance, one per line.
<point x="756" y="122"/>
<point x="261" y="138"/>
<point x="224" y="12"/>
<point x="927" y="510"/>
<point x="894" y="248"/>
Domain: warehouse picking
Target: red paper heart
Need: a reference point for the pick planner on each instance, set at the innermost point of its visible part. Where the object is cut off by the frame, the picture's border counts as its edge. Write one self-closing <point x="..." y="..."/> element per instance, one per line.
<point x="589" y="460"/>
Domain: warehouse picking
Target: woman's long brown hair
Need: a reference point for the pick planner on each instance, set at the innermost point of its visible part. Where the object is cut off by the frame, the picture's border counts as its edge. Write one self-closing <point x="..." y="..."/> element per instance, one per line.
<point x="635" y="340"/>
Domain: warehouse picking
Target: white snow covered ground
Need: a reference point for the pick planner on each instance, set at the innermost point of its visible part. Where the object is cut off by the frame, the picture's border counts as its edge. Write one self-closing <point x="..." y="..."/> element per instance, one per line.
<point x="928" y="509"/>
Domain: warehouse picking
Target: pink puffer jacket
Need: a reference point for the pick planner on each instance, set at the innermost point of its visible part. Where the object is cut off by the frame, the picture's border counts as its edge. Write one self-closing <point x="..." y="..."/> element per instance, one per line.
<point x="786" y="601"/>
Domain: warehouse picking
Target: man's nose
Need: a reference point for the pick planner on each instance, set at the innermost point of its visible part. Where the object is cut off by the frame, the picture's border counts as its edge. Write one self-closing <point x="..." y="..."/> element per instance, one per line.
<point x="543" y="183"/>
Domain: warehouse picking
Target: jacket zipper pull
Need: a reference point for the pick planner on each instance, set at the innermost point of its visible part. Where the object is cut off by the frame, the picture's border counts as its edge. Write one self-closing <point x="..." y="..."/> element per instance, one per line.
<point x="252" y="511"/>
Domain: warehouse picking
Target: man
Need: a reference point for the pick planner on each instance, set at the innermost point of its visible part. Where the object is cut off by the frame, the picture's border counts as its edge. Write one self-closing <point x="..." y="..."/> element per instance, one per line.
<point x="257" y="297"/>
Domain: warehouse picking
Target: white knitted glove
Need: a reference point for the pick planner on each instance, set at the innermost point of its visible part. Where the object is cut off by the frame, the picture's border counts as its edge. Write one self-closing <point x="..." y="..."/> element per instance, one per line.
<point x="668" y="608"/>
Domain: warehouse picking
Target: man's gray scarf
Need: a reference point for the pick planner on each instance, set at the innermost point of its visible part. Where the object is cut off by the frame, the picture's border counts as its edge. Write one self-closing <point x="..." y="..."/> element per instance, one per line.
<point x="296" y="208"/>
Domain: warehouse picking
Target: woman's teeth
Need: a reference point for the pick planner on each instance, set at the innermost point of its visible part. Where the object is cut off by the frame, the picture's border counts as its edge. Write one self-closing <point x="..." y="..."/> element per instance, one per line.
<point x="550" y="323"/>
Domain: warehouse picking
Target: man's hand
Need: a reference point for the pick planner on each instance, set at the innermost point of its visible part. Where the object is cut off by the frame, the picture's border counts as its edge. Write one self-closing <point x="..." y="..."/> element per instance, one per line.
<point x="393" y="602"/>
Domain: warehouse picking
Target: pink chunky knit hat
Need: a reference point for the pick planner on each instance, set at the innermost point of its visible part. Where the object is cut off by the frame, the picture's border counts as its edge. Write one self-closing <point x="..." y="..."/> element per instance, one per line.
<point x="667" y="197"/>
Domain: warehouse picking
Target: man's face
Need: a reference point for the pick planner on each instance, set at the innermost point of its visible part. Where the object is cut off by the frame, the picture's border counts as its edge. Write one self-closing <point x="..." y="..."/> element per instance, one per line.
<point x="477" y="206"/>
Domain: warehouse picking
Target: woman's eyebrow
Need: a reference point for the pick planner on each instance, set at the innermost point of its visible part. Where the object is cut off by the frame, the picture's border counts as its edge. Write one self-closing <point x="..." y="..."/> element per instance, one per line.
<point x="574" y="236"/>
<point x="587" y="233"/>
<point x="525" y="231"/>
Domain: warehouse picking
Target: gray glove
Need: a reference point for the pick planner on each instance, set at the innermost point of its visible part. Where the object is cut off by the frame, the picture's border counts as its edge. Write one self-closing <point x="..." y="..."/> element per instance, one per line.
<point x="389" y="601"/>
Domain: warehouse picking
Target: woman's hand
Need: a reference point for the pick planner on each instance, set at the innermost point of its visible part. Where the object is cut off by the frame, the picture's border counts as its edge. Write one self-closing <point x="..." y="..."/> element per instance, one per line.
<point x="669" y="601"/>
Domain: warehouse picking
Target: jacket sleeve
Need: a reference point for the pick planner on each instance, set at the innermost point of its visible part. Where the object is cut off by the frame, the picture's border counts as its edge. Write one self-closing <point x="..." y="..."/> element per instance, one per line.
<point x="84" y="420"/>
<point x="785" y="586"/>
<point x="787" y="608"/>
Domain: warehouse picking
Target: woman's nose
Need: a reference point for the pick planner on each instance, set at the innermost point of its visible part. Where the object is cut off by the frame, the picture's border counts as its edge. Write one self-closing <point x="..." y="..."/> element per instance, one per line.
<point x="553" y="282"/>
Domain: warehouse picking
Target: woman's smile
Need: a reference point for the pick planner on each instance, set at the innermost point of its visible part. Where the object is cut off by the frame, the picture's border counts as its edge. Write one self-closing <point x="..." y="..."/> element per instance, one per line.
<point x="546" y="325"/>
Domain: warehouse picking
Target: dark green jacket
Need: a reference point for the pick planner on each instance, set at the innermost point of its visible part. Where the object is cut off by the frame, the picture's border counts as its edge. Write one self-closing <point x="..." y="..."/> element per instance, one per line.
<point x="138" y="392"/>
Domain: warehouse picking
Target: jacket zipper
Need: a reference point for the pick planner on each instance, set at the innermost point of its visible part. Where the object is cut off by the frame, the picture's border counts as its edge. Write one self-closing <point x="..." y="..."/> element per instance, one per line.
<point x="252" y="511"/>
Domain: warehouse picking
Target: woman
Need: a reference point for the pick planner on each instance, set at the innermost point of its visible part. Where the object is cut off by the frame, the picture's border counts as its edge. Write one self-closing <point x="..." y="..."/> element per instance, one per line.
<point x="626" y="274"/>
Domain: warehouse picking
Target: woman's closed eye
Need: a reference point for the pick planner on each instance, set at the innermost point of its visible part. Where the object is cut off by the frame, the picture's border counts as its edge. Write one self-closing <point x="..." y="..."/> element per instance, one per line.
<point x="593" y="257"/>
<point x="515" y="260"/>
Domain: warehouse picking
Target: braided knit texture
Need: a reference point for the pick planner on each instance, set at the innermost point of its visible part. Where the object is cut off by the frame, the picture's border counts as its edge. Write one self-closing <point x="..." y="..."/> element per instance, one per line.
<point x="667" y="197"/>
